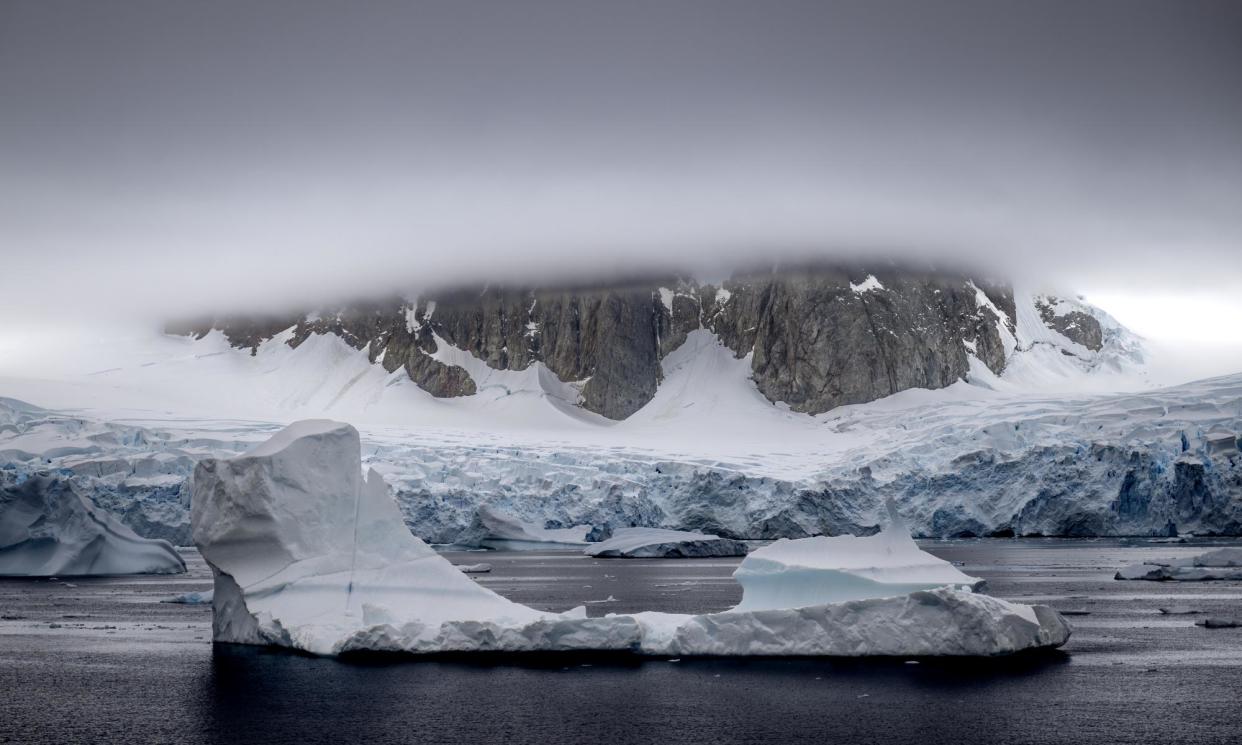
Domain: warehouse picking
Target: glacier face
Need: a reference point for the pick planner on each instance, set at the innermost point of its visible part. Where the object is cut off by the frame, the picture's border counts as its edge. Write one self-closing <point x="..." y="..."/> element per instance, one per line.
<point x="308" y="554"/>
<point x="965" y="461"/>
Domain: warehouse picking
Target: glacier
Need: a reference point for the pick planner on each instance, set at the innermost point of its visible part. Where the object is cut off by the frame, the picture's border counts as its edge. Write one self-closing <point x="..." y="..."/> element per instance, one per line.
<point x="1046" y="449"/>
<point x="958" y="463"/>
<point x="309" y="554"/>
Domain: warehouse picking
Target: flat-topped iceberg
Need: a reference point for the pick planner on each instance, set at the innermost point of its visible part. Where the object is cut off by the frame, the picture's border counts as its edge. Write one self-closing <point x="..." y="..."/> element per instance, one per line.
<point x="658" y="543"/>
<point x="1219" y="564"/>
<point x="308" y="554"/>
<point x="809" y="571"/>
<point x="47" y="529"/>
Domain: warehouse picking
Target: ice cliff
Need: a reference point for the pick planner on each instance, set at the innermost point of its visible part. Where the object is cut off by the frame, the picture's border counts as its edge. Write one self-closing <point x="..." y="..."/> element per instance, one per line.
<point x="48" y="529"/>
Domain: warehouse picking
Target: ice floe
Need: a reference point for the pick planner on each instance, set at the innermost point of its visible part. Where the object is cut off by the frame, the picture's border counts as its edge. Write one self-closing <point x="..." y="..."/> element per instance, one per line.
<point x="658" y="543"/>
<point x="1220" y="564"/>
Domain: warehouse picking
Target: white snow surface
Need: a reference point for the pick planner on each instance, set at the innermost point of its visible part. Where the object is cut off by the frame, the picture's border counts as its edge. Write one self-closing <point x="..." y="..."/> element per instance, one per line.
<point x="308" y="554"/>
<point x="47" y="529"/>
<point x="867" y="285"/>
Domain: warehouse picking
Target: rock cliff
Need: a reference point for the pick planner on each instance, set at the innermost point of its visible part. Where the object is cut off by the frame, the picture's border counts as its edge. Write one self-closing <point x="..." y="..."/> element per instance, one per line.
<point x="817" y="338"/>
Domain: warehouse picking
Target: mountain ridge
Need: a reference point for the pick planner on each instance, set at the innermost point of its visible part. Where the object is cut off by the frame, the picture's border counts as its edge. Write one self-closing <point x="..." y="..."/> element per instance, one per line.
<point x="816" y="338"/>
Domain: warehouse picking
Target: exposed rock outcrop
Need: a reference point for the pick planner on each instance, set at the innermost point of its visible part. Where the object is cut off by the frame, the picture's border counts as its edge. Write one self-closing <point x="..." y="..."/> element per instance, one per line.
<point x="1073" y="324"/>
<point x="817" y="338"/>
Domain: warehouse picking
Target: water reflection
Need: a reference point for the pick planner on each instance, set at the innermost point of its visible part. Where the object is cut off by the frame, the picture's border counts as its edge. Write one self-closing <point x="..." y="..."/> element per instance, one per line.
<point x="282" y="697"/>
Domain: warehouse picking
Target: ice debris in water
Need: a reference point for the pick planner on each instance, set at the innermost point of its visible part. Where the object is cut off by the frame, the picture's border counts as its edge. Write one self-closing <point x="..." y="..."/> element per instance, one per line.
<point x="308" y="554"/>
<point x="1220" y="564"/>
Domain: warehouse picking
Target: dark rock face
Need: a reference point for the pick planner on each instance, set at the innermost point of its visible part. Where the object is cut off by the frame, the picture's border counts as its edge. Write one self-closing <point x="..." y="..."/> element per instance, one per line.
<point x="819" y="341"/>
<point x="1074" y="325"/>
<point x="819" y="338"/>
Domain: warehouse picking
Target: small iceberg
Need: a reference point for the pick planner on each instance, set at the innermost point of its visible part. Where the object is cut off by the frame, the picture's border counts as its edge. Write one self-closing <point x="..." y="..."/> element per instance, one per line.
<point x="838" y="569"/>
<point x="500" y="531"/>
<point x="658" y="543"/>
<point x="1220" y="564"/>
<point x="310" y="555"/>
<point x="474" y="568"/>
<point x="202" y="597"/>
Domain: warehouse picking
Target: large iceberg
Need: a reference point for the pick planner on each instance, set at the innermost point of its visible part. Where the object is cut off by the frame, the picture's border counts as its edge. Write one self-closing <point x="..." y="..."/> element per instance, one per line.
<point x="308" y="554"/>
<point x="48" y="529"/>
<point x="658" y="543"/>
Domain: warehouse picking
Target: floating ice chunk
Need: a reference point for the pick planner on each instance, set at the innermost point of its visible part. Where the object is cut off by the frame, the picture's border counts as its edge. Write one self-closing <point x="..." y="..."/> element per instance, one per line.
<point x="648" y="543"/>
<point x="1220" y="564"/>
<point x="191" y="598"/>
<point x="813" y="571"/>
<point x="48" y="529"/>
<point x="309" y="555"/>
<point x="1220" y="623"/>
<point x="474" y="568"/>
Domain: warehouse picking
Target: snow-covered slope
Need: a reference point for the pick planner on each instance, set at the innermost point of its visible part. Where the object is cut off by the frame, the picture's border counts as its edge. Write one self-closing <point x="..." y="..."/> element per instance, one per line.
<point x="141" y="372"/>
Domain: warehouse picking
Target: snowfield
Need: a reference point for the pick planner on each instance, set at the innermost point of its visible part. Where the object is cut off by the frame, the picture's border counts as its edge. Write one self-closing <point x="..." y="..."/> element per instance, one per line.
<point x="308" y="554"/>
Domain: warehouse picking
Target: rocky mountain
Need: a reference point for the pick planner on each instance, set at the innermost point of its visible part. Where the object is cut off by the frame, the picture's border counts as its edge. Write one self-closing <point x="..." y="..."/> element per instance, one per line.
<point x="816" y="338"/>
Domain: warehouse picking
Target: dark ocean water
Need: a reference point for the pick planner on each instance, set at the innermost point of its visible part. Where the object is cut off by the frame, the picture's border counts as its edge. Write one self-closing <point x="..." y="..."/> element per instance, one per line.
<point x="102" y="660"/>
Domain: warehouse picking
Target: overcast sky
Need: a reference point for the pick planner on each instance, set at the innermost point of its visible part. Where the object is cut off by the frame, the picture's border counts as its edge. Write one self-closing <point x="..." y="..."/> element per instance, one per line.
<point x="167" y="157"/>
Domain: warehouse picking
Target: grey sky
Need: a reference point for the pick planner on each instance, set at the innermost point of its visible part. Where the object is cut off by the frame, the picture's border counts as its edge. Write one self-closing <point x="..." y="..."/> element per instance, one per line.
<point x="171" y="156"/>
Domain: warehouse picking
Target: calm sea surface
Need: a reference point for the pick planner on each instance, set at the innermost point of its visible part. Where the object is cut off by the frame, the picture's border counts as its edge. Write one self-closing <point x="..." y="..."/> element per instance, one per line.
<point x="102" y="660"/>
